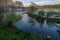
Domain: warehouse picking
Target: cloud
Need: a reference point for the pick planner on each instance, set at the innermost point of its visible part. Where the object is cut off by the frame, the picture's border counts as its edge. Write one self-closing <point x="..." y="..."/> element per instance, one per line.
<point x="26" y="4"/>
<point x="40" y="2"/>
<point x="48" y="2"/>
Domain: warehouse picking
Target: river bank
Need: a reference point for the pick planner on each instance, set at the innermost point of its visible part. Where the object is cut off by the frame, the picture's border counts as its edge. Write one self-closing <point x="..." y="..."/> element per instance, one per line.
<point x="8" y="32"/>
<point x="16" y="34"/>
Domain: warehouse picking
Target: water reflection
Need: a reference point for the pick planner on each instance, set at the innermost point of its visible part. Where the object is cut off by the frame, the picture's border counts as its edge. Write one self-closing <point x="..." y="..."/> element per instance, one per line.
<point x="39" y="26"/>
<point x="58" y="32"/>
<point x="31" y="21"/>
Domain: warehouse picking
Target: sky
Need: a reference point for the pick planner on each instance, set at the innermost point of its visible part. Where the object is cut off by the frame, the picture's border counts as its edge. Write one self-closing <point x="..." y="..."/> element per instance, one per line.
<point x="40" y="2"/>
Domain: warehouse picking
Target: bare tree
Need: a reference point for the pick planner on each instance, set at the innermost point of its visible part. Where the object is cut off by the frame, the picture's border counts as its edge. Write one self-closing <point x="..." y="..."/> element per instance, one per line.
<point x="19" y="3"/>
<point x="3" y="2"/>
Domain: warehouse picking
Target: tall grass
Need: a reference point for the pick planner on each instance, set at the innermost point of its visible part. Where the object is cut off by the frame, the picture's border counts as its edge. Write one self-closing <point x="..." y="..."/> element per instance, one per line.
<point x="9" y="18"/>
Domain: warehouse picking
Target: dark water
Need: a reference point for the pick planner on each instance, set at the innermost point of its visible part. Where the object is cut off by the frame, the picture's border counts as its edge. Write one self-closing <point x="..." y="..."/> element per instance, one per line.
<point x="42" y="27"/>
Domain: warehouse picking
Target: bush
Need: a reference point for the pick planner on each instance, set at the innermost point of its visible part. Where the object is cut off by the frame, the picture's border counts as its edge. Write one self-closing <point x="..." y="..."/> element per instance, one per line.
<point x="40" y="13"/>
<point x="9" y="18"/>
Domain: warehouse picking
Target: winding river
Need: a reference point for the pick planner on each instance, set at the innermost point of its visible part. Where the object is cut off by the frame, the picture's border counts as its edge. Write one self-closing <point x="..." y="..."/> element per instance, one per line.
<point x="42" y="28"/>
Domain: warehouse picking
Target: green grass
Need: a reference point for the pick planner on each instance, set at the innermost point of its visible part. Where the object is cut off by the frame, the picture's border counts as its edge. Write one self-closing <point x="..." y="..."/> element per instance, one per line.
<point x="15" y="34"/>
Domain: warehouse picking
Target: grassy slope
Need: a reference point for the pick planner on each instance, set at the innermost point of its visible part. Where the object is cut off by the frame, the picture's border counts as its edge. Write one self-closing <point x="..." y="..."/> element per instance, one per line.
<point x="15" y="34"/>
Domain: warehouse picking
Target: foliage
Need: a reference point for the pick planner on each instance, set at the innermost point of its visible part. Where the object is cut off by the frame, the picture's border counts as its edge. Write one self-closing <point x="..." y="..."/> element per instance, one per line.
<point x="19" y="3"/>
<point x="9" y="18"/>
<point x="40" y="13"/>
<point x="32" y="15"/>
<point x="32" y="8"/>
<point x="53" y="20"/>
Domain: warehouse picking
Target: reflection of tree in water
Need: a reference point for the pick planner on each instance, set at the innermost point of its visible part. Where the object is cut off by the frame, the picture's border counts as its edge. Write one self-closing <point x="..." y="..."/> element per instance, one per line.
<point x="53" y="20"/>
<point x="58" y="30"/>
<point x="1" y="18"/>
<point x="31" y="21"/>
<point x="40" y="21"/>
<point x="50" y="24"/>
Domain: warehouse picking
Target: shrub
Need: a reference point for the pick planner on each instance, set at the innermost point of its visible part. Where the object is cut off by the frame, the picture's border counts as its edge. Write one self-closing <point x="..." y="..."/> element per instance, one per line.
<point x="9" y="18"/>
<point x="40" y="13"/>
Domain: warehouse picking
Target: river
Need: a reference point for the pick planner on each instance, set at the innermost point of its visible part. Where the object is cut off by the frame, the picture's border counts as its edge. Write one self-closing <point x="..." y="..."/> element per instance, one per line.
<point x="43" y="28"/>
